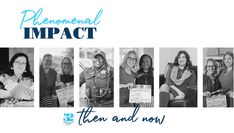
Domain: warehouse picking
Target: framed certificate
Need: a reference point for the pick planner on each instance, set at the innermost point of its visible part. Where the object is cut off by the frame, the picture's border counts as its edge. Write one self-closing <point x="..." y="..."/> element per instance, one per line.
<point x="140" y="94"/>
<point x="65" y="94"/>
<point x="216" y="101"/>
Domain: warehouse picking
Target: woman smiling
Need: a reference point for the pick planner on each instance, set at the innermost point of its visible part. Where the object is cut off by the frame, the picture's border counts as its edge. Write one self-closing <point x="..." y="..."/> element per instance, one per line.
<point x="178" y="79"/>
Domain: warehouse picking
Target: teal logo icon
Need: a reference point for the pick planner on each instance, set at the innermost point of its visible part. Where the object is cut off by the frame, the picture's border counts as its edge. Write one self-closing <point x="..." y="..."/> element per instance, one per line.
<point x="68" y="118"/>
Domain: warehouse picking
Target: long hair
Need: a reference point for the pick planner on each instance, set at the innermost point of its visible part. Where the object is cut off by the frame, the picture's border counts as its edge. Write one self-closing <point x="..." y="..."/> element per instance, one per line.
<point x="230" y="54"/>
<point x="27" y="73"/>
<point x="72" y="66"/>
<point x="124" y="62"/>
<point x="151" y="64"/>
<point x="215" y="64"/>
<point x="188" y="62"/>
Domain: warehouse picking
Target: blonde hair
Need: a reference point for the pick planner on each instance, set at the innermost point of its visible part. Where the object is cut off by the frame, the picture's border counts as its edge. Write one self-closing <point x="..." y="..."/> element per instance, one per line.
<point x="124" y="62"/>
<point x="72" y="66"/>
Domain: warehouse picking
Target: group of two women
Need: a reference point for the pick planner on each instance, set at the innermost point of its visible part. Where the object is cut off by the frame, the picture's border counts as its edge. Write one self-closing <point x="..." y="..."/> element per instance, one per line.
<point x="50" y="80"/>
<point x="219" y="79"/>
<point x="131" y="74"/>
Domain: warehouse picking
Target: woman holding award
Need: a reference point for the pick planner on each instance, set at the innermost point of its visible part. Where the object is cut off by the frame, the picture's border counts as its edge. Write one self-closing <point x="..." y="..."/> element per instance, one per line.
<point x="146" y="76"/>
<point x="128" y="73"/>
<point x="66" y="78"/>
<point x="210" y="79"/>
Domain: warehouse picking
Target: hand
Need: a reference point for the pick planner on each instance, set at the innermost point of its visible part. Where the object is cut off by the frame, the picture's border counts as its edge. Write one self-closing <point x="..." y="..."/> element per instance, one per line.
<point x="54" y="96"/>
<point x="129" y="85"/>
<point x="61" y="84"/>
<point x="26" y="95"/>
<point x="186" y="74"/>
<point x="207" y="94"/>
<point x="230" y="93"/>
<point x="26" y="82"/>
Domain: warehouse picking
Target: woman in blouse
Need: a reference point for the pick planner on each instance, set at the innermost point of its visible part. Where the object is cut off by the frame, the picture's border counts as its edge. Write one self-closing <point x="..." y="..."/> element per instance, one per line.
<point x="17" y="76"/>
<point x="128" y="74"/>
<point x="226" y="77"/>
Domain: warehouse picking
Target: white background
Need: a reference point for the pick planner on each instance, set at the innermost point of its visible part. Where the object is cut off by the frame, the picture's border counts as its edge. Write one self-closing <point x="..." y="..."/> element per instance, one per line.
<point x="125" y="23"/>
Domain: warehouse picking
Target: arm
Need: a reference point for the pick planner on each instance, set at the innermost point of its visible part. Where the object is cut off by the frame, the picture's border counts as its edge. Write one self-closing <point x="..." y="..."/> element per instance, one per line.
<point x="4" y="93"/>
<point x="82" y="78"/>
<point x="128" y="85"/>
<point x="122" y="83"/>
<point x="58" y="78"/>
<point x="206" y="87"/>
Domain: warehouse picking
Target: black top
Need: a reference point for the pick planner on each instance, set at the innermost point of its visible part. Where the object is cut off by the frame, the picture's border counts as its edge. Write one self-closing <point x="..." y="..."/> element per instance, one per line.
<point x="66" y="78"/>
<point x="209" y="85"/>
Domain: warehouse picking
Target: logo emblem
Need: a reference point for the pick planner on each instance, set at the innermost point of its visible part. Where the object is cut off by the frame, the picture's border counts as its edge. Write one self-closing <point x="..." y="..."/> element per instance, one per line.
<point x="68" y="118"/>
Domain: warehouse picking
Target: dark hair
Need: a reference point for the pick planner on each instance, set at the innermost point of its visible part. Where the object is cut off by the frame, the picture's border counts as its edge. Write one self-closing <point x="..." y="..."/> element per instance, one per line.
<point x="188" y="63"/>
<point x="230" y="54"/>
<point x="46" y="55"/>
<point x="27" y="72"/>
<point x="151" y="64"/>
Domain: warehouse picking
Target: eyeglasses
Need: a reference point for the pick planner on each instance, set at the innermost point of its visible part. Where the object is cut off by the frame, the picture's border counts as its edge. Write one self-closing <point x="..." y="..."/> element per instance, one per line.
<point x="132" y="59"/>
<point x="20" y="63"/>
<point x="210" y="66"/>
<point x="67" y="64"/>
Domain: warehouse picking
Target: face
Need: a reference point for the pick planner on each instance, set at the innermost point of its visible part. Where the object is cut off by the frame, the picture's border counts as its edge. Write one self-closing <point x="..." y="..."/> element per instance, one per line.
<point x="228" y="60"/>
<point x="182" y="60"/>
<point x="19" y="65"/>
<point x="210" y="67"/>
<point x="66" y="66"/>
<point x="131" y="60"/>
<point x="146" y="62"/>
<point x="98" y="61"/>
<point x="47" y="62"/>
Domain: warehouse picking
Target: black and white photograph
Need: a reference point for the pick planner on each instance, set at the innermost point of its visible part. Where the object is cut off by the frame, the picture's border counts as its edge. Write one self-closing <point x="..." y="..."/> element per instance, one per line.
<point x="218" y="77"/>
<point x="178" y="77"/>
<point x="136" y="77"/>
<point x="56" y="77"/>
<point x="17" y="77"/>
<point x="96" y="77"/>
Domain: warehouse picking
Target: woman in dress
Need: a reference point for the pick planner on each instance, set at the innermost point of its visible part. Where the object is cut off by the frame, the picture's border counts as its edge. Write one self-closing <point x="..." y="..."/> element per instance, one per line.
<point x="178" y="79"/>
